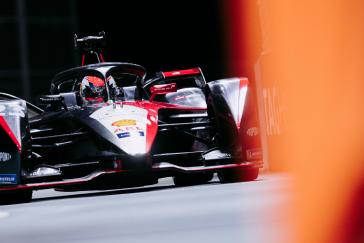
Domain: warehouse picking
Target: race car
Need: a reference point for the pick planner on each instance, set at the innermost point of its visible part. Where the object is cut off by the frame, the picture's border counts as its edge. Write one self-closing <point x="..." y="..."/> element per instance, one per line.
<point x="105" y="125"/>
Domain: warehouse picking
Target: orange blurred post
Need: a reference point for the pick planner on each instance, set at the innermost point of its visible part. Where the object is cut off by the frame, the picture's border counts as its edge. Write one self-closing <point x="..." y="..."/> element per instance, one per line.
<point x="312" y="87"/>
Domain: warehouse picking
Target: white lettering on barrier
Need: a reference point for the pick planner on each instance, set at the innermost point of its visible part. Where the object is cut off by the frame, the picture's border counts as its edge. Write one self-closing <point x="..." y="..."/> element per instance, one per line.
<point x="4" y="156"/>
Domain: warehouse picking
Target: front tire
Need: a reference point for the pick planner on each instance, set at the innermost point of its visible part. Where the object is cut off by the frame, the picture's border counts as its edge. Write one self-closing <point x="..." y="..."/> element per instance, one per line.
<point x="238" y="175"/>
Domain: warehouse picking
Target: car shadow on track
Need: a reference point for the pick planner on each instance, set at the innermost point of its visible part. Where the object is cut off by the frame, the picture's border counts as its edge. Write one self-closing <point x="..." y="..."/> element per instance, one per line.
<point x="81" y="194"/>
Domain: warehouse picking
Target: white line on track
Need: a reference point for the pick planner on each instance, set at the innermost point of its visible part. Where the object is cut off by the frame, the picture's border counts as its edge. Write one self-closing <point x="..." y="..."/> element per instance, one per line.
<point x="4" y="215"/>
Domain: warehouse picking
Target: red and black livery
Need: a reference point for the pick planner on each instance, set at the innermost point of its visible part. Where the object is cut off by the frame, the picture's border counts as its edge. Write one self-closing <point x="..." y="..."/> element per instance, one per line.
<point x="136" y="131"/>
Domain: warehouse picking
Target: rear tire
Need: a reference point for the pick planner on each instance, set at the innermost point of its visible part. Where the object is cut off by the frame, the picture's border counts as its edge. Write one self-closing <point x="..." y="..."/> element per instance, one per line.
<point x="238" y="175"/>
<point x="192" y="179"/>
<point x="16" y="197"/>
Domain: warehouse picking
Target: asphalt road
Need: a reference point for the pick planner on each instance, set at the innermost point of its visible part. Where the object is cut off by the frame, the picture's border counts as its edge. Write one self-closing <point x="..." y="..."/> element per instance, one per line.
<point x="238" y="212"/>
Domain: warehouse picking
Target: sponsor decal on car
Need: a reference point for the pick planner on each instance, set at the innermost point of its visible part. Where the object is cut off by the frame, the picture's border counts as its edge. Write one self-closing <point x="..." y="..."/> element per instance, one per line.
<point x="253" y="154"/>
<point x="181" y="97"/>
<point x="128" y="134"/>
<point x="4" y="156"/>
<point x="12" y="109"/>
<point x="123" y="134"/>
<point x="126" y="122"/>
<point x="8" y="179"/>
<point x="128" y="128"/>
<point x="253" y="131"/>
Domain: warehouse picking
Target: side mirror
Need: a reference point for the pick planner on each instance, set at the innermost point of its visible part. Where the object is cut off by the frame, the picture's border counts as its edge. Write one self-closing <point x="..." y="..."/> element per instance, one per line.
<point x="162" y="89"/>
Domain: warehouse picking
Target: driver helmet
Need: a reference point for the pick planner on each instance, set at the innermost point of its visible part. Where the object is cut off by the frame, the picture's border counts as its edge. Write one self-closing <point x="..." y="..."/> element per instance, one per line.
<point x="93" y="89"/>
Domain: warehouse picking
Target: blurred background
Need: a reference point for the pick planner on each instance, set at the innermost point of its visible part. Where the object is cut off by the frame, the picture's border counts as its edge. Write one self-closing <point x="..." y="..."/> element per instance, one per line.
<point x="304" y="58"/>
<point x="37" y="37"/>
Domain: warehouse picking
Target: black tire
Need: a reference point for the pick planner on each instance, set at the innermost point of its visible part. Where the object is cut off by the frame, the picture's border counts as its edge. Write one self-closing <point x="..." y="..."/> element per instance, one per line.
<point x="16" y="197"/>
<point x="192" y="179"/>
<point x="238" y="175"/>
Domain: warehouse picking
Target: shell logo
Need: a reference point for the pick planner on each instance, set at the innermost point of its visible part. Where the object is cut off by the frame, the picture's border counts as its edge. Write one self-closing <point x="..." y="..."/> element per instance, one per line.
<point x="121" y="123"/>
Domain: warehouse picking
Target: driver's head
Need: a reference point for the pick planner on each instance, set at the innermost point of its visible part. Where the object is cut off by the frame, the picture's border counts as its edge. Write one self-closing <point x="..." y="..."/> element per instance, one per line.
<point x="93" y="89"/>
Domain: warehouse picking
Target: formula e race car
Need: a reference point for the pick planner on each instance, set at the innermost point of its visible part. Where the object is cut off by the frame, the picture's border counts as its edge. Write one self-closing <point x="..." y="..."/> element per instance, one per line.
<point x="106" y="126"/>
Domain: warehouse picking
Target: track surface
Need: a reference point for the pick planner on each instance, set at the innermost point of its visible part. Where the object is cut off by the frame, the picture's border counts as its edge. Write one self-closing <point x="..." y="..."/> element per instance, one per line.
<point x="239" y="212"/>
